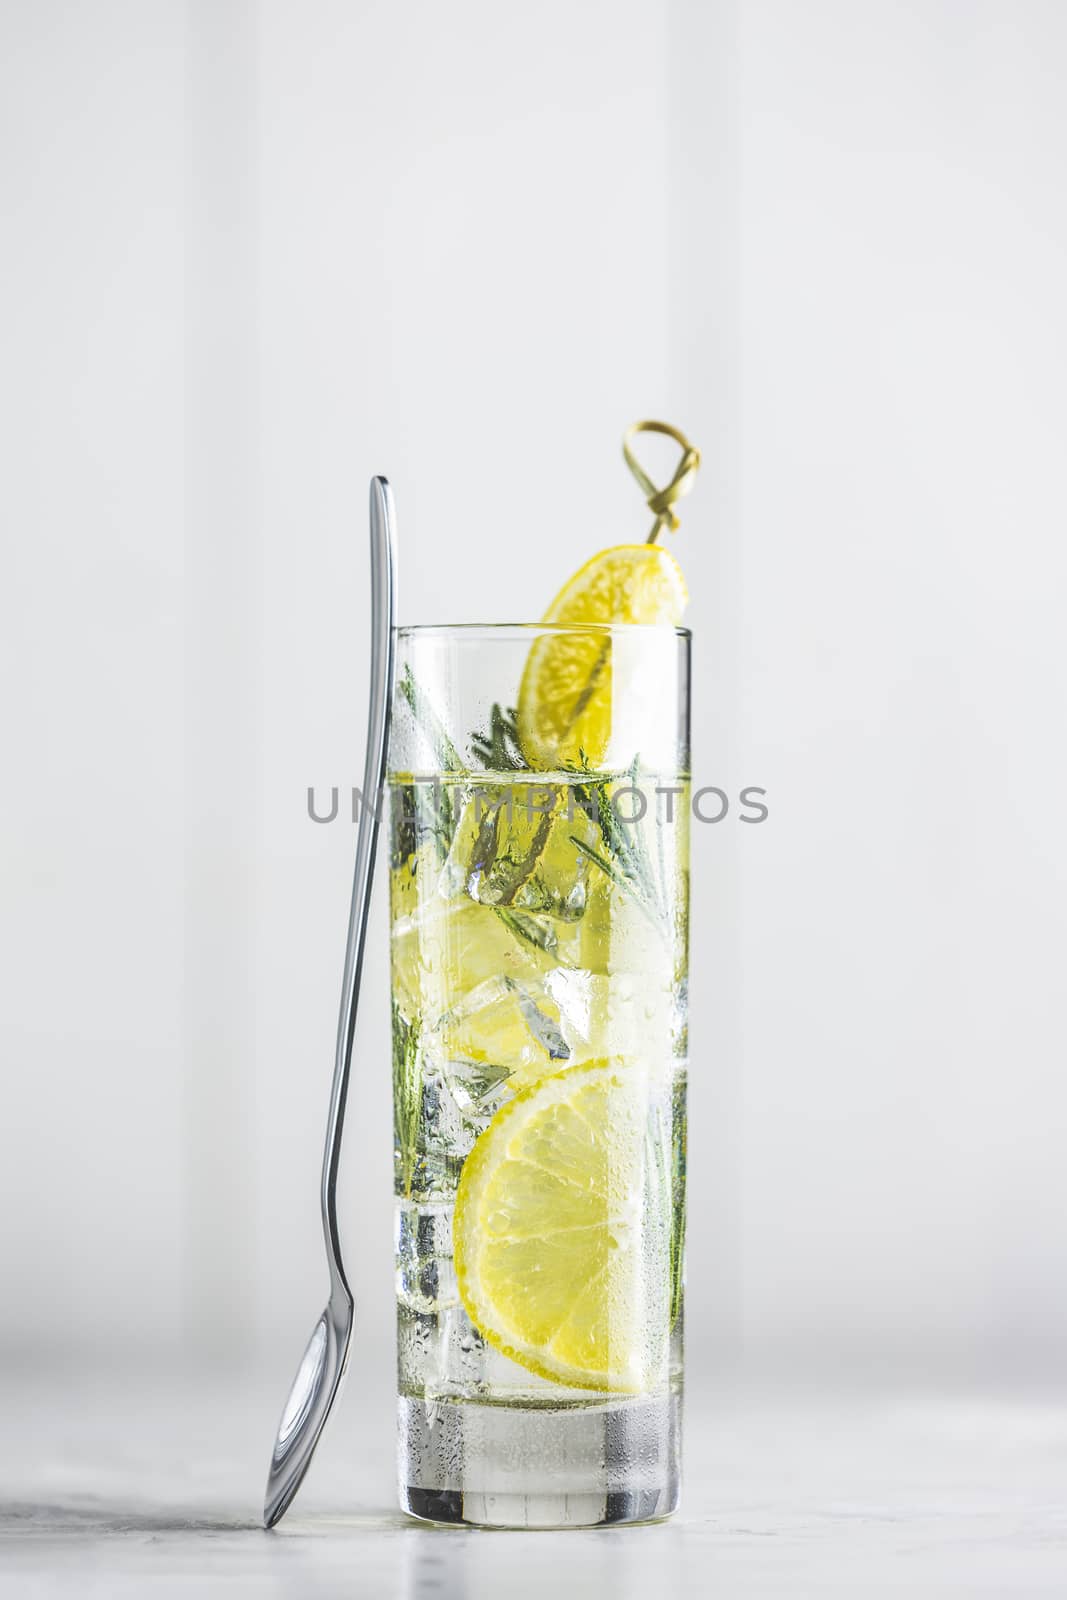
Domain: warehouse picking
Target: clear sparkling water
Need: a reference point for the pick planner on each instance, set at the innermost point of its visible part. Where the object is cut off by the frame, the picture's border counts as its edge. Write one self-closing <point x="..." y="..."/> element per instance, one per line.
<point x="527" y="938"/>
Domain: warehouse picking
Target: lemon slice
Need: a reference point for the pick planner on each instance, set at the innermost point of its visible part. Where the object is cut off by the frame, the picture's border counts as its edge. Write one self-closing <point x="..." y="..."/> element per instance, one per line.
<point x="565" y="706"/>
<point x="561" y="1232"/>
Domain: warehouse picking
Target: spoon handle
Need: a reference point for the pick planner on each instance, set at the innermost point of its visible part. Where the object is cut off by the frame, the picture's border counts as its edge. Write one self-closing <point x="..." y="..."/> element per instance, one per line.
<point x="383" y="655"/>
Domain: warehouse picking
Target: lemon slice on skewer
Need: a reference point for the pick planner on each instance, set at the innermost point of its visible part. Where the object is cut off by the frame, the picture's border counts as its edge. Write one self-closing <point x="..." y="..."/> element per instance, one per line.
<point x="565" y="698"/>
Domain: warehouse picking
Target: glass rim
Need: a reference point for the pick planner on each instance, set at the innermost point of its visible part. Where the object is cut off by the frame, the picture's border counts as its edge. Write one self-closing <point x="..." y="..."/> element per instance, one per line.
<point x="523" y="629"/>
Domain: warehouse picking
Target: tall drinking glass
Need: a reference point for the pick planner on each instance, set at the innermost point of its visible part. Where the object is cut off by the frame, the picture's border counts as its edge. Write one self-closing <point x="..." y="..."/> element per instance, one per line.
<point x="538" y="833"/>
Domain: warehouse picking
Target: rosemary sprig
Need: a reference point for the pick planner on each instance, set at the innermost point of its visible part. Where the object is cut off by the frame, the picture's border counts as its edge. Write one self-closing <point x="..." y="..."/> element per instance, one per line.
<point x="407" y="1097"/>
<point x="530" y="929"/>
<point x="607" y="867"/>
<point x="666" y="1155"/>
<point x="638" y="842"/>
<point x="422" y="709"/>
<point x="678" y="1168"/>
<point x="623" y="855"/>
<point x="444" y="812"/>
<point x="625" y="861"/>
<point x="620" y="878"/>
<point x="500" y="750"/>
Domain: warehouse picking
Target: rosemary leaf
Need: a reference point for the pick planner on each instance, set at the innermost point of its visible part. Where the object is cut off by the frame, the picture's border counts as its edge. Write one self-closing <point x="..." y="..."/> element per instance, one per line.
<point x="422" y="710"/>
<point x="500" y="749"/>
<point x="407" y="1097"/>
<point x="621" y="879"/>
<point x="528" y="928"/>
<point x="639" y="851"/>
<point x="443" y="825"/>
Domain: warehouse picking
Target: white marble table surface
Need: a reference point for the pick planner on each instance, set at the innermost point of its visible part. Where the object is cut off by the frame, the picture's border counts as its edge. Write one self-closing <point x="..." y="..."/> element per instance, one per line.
<point x="116" y="1486"/>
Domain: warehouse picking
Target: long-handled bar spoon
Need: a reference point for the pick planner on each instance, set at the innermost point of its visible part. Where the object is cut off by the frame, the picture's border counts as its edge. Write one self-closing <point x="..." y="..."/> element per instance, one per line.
<point x="319" y="1378"/>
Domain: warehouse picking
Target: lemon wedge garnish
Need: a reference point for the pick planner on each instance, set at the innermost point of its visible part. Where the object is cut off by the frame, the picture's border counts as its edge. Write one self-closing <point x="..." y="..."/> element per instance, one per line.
<point x="565" y="699"/>
<point x="561" y="1231"/>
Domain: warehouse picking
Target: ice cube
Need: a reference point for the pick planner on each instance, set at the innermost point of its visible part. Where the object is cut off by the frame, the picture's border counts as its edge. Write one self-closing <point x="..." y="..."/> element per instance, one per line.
<point x="515" y="847"/>
<point x="621" y="1015"/>
<point x="508" y="1024"/>
<point x="444" y="949"/>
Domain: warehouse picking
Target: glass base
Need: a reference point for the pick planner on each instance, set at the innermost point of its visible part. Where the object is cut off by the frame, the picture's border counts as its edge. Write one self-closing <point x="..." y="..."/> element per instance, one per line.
<point x="524" y="1466"/>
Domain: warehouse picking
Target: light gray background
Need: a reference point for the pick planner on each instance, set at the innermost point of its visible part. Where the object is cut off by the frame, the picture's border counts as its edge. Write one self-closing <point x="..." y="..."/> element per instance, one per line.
<point x="253" y="253"/>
